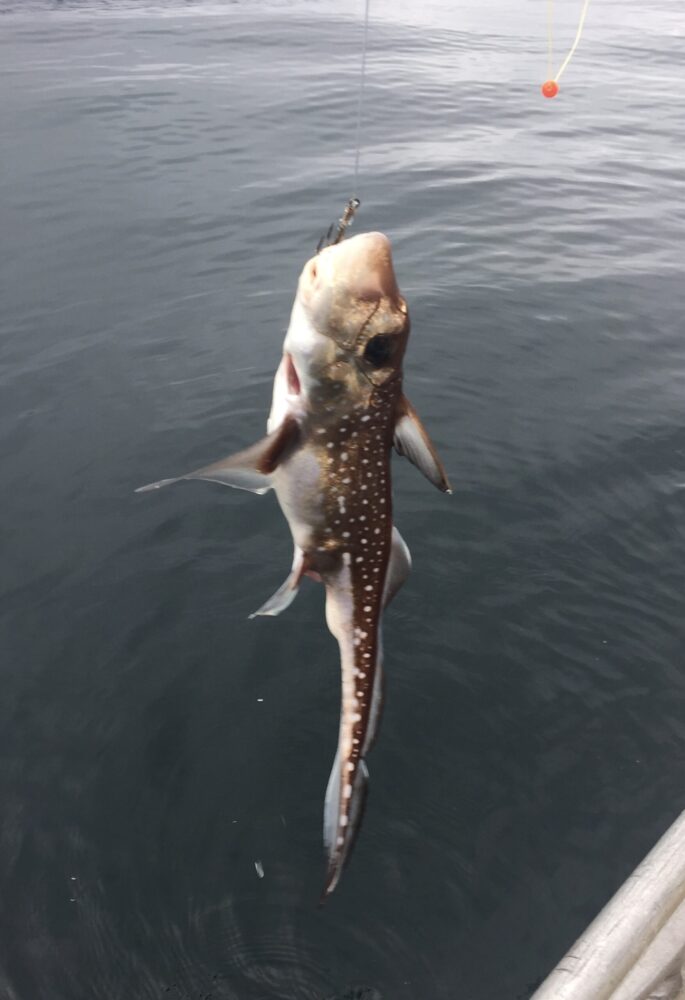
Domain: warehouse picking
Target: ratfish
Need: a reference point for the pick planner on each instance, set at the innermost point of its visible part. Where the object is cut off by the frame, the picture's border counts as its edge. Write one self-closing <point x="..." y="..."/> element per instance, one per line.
<point x="337" y="411"/>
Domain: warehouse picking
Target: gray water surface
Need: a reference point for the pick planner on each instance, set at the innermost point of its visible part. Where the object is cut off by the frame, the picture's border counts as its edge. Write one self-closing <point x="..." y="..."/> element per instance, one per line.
<point x="165" y="171"/>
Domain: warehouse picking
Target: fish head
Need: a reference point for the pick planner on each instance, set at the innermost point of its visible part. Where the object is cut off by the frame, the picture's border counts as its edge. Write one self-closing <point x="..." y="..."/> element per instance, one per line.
<point x="350" y="325"/>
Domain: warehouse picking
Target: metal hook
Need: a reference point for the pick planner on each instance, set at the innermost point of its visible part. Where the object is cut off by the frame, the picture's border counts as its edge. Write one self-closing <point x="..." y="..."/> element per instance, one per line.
<point x="346" y="219"/>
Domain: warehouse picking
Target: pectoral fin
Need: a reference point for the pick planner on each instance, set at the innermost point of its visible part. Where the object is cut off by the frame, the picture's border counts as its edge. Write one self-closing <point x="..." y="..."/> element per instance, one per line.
<point x="412" y="441"/>
<point x="250" y="469"/>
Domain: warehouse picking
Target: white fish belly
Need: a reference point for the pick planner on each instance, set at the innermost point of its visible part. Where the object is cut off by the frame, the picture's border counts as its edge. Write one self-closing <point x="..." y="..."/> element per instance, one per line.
<point x="297" y="483"/>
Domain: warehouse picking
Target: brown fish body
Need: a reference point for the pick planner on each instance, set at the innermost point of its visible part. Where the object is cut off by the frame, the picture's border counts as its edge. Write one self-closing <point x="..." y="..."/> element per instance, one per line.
<point x="347" y="544"/>
<point x="352" y="496"/>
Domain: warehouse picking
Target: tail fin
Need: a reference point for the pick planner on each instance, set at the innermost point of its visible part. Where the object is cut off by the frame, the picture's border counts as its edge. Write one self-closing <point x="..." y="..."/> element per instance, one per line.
<point x="340" y="829"/>
<point x="361" y="662"/>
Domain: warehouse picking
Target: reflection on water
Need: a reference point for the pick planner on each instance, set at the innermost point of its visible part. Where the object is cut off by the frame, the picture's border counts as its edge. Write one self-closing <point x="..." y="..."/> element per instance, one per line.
<point x="165" y="172"/>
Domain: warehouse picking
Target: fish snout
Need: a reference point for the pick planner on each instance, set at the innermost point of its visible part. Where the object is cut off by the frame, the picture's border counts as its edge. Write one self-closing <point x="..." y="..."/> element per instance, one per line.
<point x="360" y="268"/>
<point x="364" y="265"/>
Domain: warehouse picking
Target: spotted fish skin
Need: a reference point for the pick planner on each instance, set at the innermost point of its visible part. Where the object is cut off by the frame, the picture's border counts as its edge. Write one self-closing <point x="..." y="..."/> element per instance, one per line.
<point x="337" y="409"/>
<point x="354" y="543"/>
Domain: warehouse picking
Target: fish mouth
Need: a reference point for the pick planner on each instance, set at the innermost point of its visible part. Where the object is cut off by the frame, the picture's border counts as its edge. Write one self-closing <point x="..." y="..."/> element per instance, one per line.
<point x="293" y="379"/>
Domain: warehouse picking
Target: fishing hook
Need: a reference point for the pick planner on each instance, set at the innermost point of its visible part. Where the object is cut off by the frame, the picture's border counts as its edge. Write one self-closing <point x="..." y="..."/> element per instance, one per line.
<point x="346" y="219"/>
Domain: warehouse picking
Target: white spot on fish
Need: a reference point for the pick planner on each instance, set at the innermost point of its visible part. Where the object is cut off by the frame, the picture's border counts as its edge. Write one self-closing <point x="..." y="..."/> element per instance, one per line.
<point x="367" y="608"/>
<point x="344" y="456"/>
<point x="348" y="791"/>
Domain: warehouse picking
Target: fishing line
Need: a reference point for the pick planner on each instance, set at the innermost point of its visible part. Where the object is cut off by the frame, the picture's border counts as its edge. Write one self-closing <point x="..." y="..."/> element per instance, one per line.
<point x="551" y="86"/>
<point x="353" y="203"/>
<point x="362" y="81"/>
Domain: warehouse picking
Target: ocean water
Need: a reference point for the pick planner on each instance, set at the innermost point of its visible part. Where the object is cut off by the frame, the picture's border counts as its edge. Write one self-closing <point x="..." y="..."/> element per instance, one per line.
<point x="165" y="171"/>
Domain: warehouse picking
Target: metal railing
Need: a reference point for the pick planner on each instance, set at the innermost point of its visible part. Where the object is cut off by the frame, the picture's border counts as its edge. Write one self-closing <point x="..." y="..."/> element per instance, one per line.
<point x="635" y="948"/>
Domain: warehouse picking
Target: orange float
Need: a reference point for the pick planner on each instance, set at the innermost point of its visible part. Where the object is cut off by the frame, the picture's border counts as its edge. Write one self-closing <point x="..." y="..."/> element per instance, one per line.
<point x="550" y="87"/>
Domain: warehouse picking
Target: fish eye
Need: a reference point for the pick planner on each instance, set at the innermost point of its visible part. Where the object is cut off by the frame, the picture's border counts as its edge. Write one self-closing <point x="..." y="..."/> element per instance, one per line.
<point x="379" y="350"/>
